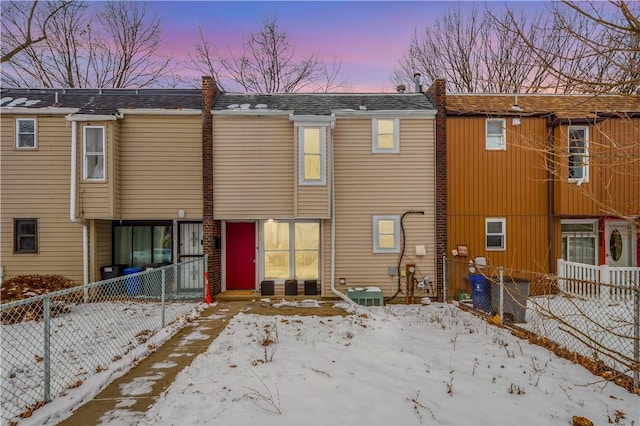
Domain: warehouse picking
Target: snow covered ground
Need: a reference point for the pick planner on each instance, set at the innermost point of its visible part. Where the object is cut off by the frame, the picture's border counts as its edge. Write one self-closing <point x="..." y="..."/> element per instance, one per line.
<point x="399" y="364"/>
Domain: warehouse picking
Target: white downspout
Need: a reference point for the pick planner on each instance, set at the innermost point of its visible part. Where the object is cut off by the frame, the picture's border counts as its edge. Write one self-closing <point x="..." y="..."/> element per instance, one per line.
<point x="333" y="225"/>
<point x="72" y="204"/>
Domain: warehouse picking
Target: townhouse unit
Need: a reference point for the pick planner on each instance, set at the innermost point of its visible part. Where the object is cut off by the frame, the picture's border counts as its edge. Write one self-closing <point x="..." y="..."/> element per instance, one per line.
<point x="92" y="178"/>
<point x="536" y="178"/>
<point x="334" y="188"/>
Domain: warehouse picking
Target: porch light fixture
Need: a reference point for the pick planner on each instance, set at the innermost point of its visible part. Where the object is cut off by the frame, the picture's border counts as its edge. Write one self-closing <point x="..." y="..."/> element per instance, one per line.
<point x="180" y="214"/>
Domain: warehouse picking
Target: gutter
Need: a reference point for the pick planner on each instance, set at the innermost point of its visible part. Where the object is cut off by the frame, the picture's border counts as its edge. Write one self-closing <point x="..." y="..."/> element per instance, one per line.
<point x="72" y="204"/>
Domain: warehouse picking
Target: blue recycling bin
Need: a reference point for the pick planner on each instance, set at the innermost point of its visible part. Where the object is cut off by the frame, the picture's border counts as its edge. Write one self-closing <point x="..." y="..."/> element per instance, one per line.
<point x="134" y="284"/>
<point x="481" y="292"/>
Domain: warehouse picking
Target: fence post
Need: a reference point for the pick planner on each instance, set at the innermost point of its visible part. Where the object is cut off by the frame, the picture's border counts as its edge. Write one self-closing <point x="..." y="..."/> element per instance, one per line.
<point x="605" y="278"/>
<point x="46" y="315"/>
<point x="561" y="274"/>
<point x="162" y="295"/>
<point x="444" y="279"/>
<point x="501" y="298"/>
<point x="636" y="338"/>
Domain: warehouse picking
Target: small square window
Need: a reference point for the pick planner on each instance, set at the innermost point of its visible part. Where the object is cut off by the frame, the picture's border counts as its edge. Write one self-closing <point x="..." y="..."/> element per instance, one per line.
<point x="386" y="135"/>
<point x="495" y="134"/>
<point x="25" y="235"/>
<point x="26" y="133"/>
<point x="495" y="234"/>
<point x="386" y="235"/>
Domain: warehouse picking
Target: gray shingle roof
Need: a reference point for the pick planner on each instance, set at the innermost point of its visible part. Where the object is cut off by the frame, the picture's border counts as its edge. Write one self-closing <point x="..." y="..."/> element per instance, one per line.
<point x="322" y="104"/>
<point x="103" y="101"/>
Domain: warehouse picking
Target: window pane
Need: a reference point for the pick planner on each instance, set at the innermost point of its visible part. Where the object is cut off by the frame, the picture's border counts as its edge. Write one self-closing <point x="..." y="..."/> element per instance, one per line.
<point x="311" y="141"/>
<point x="276" y="264"/>
<point x="26" y="227"/>
<point x="494" y="227"/>
<point x="581" y="250"/>
<point x="385" y="141"/>
<point x="27" y="243"/>
<point x="95" y="166"/>
<point x="312" y="167"/>
<point x="385" y="241"/>
<point x="276" y="236"/>
<point x="27" y="141"/>
<point x="307" y="264"/>
<point x="141" y="245"/>
<point x="494" y="127"/>
<point x="577" y="227"/>
<point x="386" y="226"/>
<point x="494" y="141"/>
<point x="495" y="241"/>
<point x="385" y="127"/>
<point x="122" y="245"/>
<point x="307" y="236"/>
<point x="94" y="140"/>
<point x="26" y="126"/>
<point x="161" y="244"/>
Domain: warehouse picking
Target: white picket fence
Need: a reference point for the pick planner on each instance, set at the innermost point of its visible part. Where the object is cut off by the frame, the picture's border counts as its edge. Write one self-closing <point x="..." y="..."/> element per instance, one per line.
<point x="598" y="282"/>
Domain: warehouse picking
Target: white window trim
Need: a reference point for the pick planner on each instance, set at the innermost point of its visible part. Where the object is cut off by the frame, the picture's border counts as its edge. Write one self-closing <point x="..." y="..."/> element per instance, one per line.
<point x="396" y="137"/>
<point x="396" y="234"/>
<point x="35" y="133"/>
<point x="323" y="157"/>
<point x="593" y="234"/>
<point x="585" y="165"/>
<point x="291" y="250"/>
<point x="84" y="154"/>
<point x="503" y="143"/>
<point x="503" y="234"/>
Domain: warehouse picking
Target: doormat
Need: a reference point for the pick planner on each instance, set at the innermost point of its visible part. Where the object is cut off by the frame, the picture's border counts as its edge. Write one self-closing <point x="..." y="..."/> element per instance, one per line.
<point x="239" y="292"/>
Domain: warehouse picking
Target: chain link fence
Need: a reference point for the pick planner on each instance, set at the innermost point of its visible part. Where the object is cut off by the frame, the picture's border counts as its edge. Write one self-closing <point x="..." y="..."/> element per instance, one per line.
<point x="54" y="342"/>
<point x="599" y="328"/>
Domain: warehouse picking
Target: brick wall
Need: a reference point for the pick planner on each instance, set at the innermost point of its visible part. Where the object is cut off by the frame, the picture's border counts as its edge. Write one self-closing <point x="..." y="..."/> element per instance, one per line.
<point x="438" y="95"/>
<point x="211" y="227"/>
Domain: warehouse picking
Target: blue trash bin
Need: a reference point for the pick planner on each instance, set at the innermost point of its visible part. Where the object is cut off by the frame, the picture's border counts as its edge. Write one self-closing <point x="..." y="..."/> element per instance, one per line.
<point x="481" y="292"/>
<point x="134" y="284"/>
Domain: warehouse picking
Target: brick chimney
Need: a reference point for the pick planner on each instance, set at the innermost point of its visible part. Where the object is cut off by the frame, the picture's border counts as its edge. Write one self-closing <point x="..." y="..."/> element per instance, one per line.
<point x="437" y="93"/>
<point x="211" y="228"/>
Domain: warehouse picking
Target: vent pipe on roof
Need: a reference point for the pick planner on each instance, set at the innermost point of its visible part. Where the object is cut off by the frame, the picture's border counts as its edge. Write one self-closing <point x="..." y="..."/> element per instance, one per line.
<point x="416" y="80"/>
<point x="401" y="88"/>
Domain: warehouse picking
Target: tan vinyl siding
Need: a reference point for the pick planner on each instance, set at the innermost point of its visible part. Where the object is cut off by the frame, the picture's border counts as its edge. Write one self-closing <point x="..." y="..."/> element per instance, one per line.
<point x="101" y="242"/>
<point x="95" y="198"/>
<point x="160" y="167"/>
<point x="35" y="184"/>
<point x="254" y="166"/>
<point x="614" y="181"/>
<point x="368" y="184"/>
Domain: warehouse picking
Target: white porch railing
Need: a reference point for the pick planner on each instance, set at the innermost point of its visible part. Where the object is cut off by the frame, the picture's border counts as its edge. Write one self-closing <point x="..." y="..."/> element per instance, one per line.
<point x="597" y="282"/>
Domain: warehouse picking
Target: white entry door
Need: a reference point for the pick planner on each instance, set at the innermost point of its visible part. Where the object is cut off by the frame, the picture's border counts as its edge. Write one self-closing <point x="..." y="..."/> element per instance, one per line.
<point x="620" y="243"/>
<point x="190" y="273"/>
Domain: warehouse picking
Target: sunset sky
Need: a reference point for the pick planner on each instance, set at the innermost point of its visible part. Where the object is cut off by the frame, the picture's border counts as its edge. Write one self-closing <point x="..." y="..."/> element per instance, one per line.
<point x="369" y="37"/>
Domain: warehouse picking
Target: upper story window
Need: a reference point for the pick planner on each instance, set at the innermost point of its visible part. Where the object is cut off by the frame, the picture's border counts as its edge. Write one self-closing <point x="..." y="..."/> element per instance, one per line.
<point x="386" y="234"/>
<point x="25" y="235"/>
<point x="312" y="156"/>
<point x="495" y="234"/>
<point x="495" y="132"/>
<point x="578" y="154"/>
<point x="26" y="133"/>
<point x="94" y="153"/>
<point x="386" y="135"/>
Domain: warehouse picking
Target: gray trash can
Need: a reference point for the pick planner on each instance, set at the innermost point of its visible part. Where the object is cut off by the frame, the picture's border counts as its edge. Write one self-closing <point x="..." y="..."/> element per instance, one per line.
<point x="516" y="293"/>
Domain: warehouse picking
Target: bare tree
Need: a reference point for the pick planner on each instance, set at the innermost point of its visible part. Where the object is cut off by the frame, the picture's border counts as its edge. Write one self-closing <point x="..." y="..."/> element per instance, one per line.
<point x="469" y="51"/>
<point x="111" y="44"/>
<point x="601" y="51"/>
<point x="25" y="24"/>
<point x="268" y="63"/>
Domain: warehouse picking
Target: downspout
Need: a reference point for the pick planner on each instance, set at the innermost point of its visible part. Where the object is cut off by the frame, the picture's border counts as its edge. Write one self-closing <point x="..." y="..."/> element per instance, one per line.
<point x="551" y="195"/>
<point x="333" y="225"/>
<point x="72" y="203"/>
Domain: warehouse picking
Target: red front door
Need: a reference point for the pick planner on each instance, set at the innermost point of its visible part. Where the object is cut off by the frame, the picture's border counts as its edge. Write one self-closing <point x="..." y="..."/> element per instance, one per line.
<point x="240" y="252"/>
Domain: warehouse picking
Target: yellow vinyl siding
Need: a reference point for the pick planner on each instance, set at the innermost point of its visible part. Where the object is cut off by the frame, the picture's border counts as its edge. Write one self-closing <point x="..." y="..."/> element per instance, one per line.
<point x="160" y="167"/>
<point x="254" y="166"/>
<point x="368" y="184"/>
<point x="101" y="241"/>
<point x="35" y="184"/>
<point x="614" y="181"/>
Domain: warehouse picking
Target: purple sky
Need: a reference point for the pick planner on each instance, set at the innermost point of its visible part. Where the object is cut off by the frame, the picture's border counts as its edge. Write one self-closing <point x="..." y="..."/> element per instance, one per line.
<point x="369" y="37"/>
